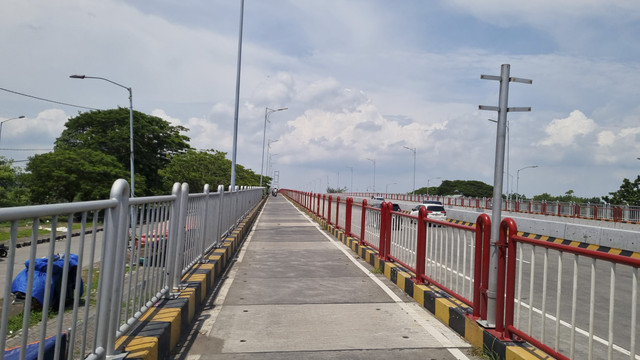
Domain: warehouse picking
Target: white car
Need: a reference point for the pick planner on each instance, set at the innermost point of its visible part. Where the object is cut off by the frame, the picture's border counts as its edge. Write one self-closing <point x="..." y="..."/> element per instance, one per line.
<point x="434" y="211"/>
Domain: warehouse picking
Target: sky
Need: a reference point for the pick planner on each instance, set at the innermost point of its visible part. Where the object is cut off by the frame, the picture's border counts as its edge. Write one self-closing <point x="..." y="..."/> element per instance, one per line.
<point x="362" y="80"/>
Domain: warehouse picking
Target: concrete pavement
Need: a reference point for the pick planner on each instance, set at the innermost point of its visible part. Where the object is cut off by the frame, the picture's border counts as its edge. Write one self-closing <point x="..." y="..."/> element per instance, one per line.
<point x="295" y="292"/>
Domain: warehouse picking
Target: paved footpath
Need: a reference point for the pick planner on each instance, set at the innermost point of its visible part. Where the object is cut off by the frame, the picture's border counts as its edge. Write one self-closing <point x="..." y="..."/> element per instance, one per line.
<point x="297" y="293"/>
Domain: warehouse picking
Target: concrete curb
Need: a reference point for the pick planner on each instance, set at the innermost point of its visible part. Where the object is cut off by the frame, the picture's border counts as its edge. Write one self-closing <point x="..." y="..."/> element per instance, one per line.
<point x="446" y="308"/>
<point x="161" y="327"/>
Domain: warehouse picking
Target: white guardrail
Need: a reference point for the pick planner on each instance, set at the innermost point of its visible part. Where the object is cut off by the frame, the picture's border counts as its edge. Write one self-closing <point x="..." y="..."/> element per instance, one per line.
<point x="101" y="282"/>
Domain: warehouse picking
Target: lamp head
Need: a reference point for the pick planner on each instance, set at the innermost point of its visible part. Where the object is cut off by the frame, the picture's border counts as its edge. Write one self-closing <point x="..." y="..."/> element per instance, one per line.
<point x="77" y="76"/>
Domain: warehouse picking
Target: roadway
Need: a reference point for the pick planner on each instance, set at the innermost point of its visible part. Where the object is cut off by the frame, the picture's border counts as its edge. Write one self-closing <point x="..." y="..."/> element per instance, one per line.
<point x="297" y="293"/>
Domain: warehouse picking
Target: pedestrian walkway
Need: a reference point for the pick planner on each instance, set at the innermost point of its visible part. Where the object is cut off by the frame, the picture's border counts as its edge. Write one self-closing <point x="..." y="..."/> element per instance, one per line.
<point x="295" y="292"/>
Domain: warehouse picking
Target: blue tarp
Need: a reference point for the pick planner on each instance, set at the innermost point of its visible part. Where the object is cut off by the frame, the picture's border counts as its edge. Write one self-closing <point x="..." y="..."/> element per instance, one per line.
<point x="32" y="349"/>
<point x="19" y="284"/>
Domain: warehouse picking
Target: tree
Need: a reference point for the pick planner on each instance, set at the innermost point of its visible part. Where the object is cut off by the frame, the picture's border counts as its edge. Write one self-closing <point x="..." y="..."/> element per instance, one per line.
<point x="107" y="131"/>
<point x="471" y="188"/>
<point x="12" y="190"/>
<point x="198" y="168"/>
<point x="73" y="175"/>
<point x="629" y="193"/>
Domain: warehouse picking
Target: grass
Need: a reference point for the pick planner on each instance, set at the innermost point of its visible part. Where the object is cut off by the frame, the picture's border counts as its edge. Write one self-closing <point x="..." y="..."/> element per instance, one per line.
<point x="378" y="270"/>
<point x="25" y="228"/>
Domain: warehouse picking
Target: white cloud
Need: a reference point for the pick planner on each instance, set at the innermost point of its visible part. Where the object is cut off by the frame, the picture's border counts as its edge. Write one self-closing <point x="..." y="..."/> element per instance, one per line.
<point x="563" y="132"/>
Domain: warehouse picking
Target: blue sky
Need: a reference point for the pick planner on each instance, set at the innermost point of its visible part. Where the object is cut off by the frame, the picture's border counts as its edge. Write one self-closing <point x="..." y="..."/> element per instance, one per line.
<point x="362" y="79"/>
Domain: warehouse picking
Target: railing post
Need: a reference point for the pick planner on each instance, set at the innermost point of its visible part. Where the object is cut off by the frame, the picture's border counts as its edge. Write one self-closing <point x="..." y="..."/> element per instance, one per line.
<point x="511" y="277"/>
<point x="348" y="214"/>
<point x="507" y="227"/>
<point x="481" y="269"/>
<point x="318" y="206"/>
<point x="205" y="222"/>
<point x="421" y="245"/>
<point x="338" y="212"/>
<point x="329" y="211"/>
<point x="324" y="200"/>
<point x="179" y="255"/>
<point x="382" y="249"/>
<point x="363" y="221"/>
<point x="110" y="292"/>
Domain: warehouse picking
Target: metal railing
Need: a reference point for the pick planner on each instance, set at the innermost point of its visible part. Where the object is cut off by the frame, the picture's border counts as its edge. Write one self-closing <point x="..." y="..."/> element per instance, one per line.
<point x="126" y="255"/>
<point x="572" y="302"/>
<point x="569" y="301"/>
<point x="601" y="211"/>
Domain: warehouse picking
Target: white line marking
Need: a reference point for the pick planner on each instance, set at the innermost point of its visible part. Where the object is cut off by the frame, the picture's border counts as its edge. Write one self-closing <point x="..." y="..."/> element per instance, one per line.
<point x="418" y="314"/>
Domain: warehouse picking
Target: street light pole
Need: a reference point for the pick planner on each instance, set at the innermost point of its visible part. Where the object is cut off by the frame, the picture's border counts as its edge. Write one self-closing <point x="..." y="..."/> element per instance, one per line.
<point x="4" y="121"/>
<point x="374" y="174"/>
<point x="518" y="177"/>
<point x="414" y="166"/>
<point x="267" y="112"/>
<point x="130" y="122"/>
<point x="435" y="178"/>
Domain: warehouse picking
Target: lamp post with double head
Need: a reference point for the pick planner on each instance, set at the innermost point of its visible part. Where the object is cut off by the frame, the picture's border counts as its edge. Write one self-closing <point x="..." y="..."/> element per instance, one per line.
<point x="267" y="112"/>
<point x="130" y="121"/>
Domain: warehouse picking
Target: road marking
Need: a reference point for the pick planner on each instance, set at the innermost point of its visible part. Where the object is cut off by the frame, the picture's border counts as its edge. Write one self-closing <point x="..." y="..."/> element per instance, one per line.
<point x="413" y="309"/>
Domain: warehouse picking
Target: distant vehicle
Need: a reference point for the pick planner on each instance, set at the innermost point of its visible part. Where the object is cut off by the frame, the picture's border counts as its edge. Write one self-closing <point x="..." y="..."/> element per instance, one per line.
<point x="434" y="211"/>
<point x="436" y="202"/>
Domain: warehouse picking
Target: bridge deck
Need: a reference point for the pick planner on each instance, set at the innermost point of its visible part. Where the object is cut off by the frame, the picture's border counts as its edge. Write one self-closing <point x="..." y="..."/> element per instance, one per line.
<point x="296" y="293"/>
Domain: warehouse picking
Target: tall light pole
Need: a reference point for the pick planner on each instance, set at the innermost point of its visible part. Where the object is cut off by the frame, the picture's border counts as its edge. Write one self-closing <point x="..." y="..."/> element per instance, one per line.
<point x="414" y="150"/>
<point x="374" y="173"/>
<point x="4" y="121"/>
<point x="267" y="112"/>
<point x="130" y="122"/>
<point x="507" y="151"/>
<point x="498" y="176"/>
<point x="428" y="180"/>
<point x="351" y="186"/>
<point x="237" y="104"/>
<point x="518" y="177"/>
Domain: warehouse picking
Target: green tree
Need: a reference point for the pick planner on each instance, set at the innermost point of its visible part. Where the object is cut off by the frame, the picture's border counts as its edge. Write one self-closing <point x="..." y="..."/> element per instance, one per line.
<point x="73" y="175"/>
<point x="198" y="168"/>
<point x="629" y="193"/>
<point x="107" y="131"/>
<point x="12" y="190"/>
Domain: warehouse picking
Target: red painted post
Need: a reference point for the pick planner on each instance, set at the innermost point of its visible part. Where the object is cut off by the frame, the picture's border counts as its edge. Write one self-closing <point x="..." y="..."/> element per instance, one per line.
<point x="511" y="277"/>
<point x="363" y="221"/>
<point x="382" y="248"/>
<point x="506" y="230"/>
<point x="324" y="201"/>
<point x="595" y="212"/>
<point x="318" y="206"/>
<point x="347" y="223"/>
<point x="338" y="212"/>
<point x="421" y="245"/>
<point x="389" y="220"/>
<point x="329" y="211"/>
<point x="481" y="271"/>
